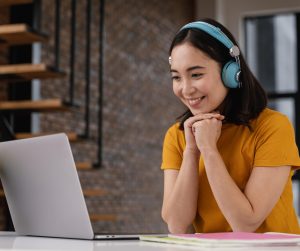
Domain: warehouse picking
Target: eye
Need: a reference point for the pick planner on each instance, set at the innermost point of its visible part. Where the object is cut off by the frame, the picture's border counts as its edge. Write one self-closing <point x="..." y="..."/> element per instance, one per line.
<point x="175" y="78"/>
<point x="197" y="75"/>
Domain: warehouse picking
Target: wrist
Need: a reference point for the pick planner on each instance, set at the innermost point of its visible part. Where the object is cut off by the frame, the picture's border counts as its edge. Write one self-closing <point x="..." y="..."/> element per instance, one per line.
<point x="209" y="151"/>
<point x="191" y="152"/>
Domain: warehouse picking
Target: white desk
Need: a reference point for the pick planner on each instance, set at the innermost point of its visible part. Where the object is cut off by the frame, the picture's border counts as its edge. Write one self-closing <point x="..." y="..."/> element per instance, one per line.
<point x="10" y="241"/>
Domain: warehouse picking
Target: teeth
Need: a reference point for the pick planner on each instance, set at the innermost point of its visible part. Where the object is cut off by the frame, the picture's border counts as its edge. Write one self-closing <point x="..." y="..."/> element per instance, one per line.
<point x="193" y="101"/>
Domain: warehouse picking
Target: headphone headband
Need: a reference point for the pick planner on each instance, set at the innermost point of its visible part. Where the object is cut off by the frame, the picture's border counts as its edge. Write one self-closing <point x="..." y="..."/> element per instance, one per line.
<point x="215" y="32"/>
<point x="211" y="30"/>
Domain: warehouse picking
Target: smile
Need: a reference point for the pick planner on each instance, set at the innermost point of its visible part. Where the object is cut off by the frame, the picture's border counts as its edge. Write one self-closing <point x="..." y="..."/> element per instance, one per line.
<point x="195" y="101"/>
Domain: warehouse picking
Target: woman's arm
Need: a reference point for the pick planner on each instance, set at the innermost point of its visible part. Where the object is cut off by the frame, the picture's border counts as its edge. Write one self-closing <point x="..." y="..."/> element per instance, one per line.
<point x="181" y="194"/>
<point x="244" y="210"/>
<point x="181" y="187"/>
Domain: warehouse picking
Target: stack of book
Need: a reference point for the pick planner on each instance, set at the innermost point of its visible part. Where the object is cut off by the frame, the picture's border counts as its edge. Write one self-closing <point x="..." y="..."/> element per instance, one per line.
<point x="228" y="239"/>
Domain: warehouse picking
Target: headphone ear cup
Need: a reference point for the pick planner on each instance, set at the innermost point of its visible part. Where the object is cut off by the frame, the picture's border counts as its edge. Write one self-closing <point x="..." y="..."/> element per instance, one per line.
<point x="230" y="73"/>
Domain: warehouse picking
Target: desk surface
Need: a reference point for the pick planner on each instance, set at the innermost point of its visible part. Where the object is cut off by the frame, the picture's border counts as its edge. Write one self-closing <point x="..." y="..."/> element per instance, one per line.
<point x="9" y="241"/>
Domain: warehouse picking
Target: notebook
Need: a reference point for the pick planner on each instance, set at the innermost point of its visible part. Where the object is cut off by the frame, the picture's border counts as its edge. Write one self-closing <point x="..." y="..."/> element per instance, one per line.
<point x="228" y="239"/>
<point x="43" y="191"/>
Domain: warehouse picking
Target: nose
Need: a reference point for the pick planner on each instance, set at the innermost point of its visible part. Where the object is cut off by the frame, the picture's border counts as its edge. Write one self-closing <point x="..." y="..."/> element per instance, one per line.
<point x="187" y="88"/>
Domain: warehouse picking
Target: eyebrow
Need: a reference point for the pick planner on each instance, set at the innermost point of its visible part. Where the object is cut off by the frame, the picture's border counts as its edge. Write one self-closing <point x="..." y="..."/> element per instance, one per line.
<point x="190" y="68"/>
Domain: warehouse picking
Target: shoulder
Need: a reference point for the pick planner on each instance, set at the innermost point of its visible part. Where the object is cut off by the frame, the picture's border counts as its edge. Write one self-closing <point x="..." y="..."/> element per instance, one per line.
<point x="174" y="129"/>
<point x="272" y="126"/>
<point x="268" y="119"/>
<point x="175" y="135"/>
<point x="173" y="146"/>
<point x="275" y="142"/>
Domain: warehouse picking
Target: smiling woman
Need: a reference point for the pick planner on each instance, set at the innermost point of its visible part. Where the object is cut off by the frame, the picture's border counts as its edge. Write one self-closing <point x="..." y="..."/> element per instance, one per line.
<point x="218" y="159"/>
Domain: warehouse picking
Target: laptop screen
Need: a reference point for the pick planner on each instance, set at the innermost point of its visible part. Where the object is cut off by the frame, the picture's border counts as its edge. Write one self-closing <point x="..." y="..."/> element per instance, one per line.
<point x="42" y="188"/>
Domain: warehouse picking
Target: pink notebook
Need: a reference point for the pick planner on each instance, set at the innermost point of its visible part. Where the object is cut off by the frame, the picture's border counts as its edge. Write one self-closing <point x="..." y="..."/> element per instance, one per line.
<point x="228" y="239"/>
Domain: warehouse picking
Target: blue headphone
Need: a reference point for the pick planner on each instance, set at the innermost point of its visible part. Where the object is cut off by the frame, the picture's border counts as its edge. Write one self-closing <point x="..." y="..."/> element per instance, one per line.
<point x="232" y="69"/>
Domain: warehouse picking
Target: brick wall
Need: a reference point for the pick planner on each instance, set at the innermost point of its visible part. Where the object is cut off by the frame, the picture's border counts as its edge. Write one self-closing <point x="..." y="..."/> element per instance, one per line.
<point x="138" y="104"/>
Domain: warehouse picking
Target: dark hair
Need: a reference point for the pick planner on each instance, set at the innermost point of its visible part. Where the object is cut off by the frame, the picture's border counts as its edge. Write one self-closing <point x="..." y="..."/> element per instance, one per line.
<point x="241" y="104"/>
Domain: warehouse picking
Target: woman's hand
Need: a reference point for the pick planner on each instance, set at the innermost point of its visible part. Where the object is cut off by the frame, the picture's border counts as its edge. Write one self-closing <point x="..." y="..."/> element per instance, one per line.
<point x="191" y="124"/>
<point x="207" y="131"/>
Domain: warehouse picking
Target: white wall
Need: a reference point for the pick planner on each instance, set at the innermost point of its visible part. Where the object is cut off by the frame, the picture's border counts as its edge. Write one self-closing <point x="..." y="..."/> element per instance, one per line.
<point x="230" y="12"/>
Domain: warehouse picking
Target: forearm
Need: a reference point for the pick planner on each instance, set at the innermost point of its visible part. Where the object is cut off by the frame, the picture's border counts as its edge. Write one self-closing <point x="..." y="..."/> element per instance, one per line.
<point x="233" y="203"/>
<point x="180" y="208"/>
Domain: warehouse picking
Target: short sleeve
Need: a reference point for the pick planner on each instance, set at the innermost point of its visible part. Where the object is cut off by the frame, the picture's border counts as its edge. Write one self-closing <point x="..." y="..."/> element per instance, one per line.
<point x="275" y="143"/>
<point x="172" y="149"/>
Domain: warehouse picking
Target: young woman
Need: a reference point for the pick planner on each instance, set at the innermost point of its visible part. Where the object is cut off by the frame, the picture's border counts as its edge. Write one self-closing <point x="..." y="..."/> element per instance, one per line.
<point x="228" y="163"/>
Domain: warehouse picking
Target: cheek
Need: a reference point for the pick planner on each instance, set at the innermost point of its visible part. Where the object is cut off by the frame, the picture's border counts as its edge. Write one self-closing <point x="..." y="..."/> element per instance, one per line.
<point x="221" y="93"/>
<point x="222" y="89"/>
<point x="218" y="85"/>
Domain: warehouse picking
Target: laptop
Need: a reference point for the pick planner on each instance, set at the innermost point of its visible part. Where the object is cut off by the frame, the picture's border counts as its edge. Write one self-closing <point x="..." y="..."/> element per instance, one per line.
<point x="43" y="191"/>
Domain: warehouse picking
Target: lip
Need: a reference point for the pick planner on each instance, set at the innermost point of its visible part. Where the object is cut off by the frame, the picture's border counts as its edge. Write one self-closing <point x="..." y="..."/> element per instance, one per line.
<point x="194" y="102"/>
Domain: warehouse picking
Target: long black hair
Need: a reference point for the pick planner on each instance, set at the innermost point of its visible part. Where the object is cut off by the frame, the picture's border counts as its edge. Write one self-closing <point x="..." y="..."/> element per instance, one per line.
<point x="241" y="104"/>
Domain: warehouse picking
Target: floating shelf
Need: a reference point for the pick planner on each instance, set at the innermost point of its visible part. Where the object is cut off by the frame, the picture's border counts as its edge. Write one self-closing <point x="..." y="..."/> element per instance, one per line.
<point x="14" y="2"/>
<point x="17" y="34"/>
<point x="84" y="165"/>
<point x="93" y="192"/>
<point x="26" y="72"/>
<point x="48" y="105"/>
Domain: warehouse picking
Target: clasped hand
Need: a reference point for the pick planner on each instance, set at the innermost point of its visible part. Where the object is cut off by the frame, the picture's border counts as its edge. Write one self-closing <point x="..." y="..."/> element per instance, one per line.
<point x="202" y="131"/>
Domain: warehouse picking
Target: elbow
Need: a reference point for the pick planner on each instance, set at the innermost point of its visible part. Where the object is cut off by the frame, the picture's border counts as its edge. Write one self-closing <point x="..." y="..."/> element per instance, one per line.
<point x="249" y="225"/>
<point x="248" y="220"/>
<point x="174" y="226"/>
<point x="164" y="216"/>
<point x="244" y="228"/>
<point x="177" y="229"/>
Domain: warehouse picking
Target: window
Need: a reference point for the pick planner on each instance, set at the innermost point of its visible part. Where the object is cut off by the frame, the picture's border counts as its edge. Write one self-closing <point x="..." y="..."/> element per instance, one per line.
<point x="273" y="55"/>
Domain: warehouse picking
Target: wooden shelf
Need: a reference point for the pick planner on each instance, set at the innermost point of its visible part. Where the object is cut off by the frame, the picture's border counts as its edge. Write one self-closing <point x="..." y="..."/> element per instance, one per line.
<point x="16" y="34"/>
<point x="26" y="72"/>
<point x="84" y="165"/>
<point x="93" y="192"/>
<point x="48" y="105"/>
<point x="72" y="136"/>
<point x="103" y="217"/>
<point x="14" y="2"/>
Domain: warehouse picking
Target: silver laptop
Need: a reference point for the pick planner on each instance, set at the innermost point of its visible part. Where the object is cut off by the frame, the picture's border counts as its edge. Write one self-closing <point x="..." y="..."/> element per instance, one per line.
<point x="43" y="191"/>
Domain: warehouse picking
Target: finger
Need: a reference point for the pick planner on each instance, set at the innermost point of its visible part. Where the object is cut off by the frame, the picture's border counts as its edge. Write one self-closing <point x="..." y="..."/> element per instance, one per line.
<point x="190" y="121"/>
<point x="200" y="122"/>
<point x="209" y="115"/>
<point x="212" y="119"/>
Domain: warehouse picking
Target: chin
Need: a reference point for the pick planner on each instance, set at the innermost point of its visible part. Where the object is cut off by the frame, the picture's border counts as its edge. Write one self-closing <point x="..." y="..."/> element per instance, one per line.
<point x="195" y="112"/>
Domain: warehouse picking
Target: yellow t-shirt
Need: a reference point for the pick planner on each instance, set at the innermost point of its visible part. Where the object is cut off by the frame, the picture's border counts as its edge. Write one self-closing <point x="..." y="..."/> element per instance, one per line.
<point x="271" y="143"/>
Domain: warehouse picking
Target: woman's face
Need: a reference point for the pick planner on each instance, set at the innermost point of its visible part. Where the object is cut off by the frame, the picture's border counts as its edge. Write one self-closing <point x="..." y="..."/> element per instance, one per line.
<point x="196" y="79"/>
